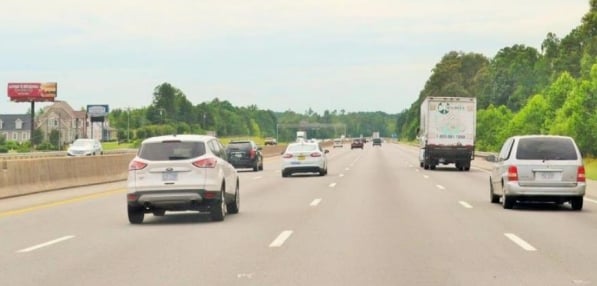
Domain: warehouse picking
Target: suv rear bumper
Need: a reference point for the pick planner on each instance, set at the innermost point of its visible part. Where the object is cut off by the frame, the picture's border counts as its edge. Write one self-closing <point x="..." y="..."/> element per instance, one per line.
<point x="200" y="200"/>
<point x="514" y="189"/>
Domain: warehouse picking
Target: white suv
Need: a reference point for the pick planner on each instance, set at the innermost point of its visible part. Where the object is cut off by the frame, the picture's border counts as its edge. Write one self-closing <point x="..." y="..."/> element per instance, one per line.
<point x="180" y="173"/>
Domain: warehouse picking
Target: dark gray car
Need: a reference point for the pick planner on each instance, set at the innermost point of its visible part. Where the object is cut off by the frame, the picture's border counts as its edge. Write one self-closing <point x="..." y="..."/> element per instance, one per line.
<point x="538" y="168"/>
<point x="245" y="154"/>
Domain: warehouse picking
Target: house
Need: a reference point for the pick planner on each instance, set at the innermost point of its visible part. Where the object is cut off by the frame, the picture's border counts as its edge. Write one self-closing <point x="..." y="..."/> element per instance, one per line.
<point x="15" y="127"/>
<point x="61" y="116"/>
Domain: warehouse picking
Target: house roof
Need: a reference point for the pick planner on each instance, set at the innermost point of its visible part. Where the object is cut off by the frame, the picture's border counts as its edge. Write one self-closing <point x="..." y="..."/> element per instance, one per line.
<point x="9" y="122"/>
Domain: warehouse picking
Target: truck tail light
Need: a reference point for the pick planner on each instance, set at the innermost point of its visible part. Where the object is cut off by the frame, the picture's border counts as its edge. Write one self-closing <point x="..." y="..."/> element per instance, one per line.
<point x="512" y="173"/>
<point x="205" y="163"/>
<point x="580" y="175"/>
<point x="137" y="165"/>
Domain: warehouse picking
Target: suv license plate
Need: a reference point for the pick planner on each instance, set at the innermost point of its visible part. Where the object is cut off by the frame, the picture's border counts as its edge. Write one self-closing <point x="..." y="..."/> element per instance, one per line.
<point x="550" y="175"/>
<point x="169" y="176"/>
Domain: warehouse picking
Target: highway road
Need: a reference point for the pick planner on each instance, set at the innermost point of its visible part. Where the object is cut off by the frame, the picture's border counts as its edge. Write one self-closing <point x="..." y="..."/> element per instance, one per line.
<point x="375" y="219"/>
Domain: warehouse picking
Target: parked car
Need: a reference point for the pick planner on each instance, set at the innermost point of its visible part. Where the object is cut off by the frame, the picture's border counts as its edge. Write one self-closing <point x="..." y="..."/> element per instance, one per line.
<point x="245" y="154"/>
<point x="270" y="141"/>
<point x="85" y="147"/>
<point x="376" y="142"/>
<point x="180" y="173"/>
<point x="538" y="168"/>
<point x="357" y="143"/>
<point x="338" y="143"/>
<point x="304" y="157"/>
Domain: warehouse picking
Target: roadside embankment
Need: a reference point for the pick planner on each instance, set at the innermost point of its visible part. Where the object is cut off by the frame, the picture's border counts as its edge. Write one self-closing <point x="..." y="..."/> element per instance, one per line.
<point x="26" y="176"/>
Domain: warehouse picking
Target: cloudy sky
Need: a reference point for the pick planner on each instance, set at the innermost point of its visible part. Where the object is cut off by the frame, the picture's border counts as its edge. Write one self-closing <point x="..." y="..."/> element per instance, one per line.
<point x="356" y="55"/>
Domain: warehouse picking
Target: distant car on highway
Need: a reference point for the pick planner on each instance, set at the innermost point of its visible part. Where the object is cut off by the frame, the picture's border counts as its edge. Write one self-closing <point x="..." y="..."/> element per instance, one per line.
<point x="338" y="143"/>
<point x="376" y="142"/>
<point x="245" y="154"/>
<point x="85" y="147"/>
<point x="304" y="157"/>
<point x="538" y="168"/>
<point x="270" y="141"/>
<point x="180" y="173"/>
<point x="357" y="143"/>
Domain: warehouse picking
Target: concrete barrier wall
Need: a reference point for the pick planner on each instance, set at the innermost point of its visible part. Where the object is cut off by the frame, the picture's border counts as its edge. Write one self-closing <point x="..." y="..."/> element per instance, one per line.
<point x="27" y="176"/>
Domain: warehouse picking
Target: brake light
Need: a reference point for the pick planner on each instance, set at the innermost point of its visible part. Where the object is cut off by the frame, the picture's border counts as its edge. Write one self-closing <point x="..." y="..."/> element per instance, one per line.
<point x="315" y="154"/>
<point x="205" y="163"/>
<point x="131" y="197"/>
<point x="287" y="156"/>
<point x="580" y="175"/>
<point x="512" y="173"/>
<point x="136" y="165"/>
<point x="252" y="153"/>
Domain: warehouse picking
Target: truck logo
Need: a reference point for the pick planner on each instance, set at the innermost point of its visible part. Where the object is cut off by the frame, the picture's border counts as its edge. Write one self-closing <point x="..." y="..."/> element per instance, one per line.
<point x="443" y="109"/>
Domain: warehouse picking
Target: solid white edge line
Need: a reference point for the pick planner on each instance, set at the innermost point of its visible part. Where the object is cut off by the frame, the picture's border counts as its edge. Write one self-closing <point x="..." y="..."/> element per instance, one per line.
<point x="341" y="175"/>
<point x="257" y="178"/>
<point x="466" y="205"/>
<point x="35" y="247"/>
<point x="332" y="185"/>
<point x="315" y="202"/>
<point x="591" y="200"/>
<point x="520" y="242"/>
<point x="440" y="187"/>
<point x="279" y="241"/>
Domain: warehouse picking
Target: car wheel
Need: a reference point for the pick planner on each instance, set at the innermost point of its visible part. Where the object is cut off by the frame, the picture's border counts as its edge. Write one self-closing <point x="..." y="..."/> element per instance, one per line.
<point x="493" y="197"/>
<point x="136" y="214"/>
<point x="321" y="172"/>
<point x="432" y="167"/>
<point x="256" y="167"/>
<point x="218" y="212"/>
<point x="234" y="206"/>
<point x="425" y="166"/>
<point x="576" y="203"/>
<point x="284" y="174"/>
<point x="507" y="201"/>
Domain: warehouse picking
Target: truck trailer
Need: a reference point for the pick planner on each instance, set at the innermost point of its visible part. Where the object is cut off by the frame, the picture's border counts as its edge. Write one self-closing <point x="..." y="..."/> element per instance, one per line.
<point x="447" y="132"/>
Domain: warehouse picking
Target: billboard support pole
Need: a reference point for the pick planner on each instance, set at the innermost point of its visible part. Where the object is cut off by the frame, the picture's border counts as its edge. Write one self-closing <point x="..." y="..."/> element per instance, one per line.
<point x="32" y="122"/>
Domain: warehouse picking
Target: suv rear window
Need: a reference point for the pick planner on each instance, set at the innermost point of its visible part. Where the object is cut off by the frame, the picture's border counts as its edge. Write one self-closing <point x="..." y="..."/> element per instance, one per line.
<point x="171" y="150"/>
<point x="546" y="149"/>
<point x="239" y="145"/>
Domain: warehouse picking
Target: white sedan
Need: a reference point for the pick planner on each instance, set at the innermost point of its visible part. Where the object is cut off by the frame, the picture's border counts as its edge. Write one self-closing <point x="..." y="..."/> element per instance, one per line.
<point x="304" y="157"/>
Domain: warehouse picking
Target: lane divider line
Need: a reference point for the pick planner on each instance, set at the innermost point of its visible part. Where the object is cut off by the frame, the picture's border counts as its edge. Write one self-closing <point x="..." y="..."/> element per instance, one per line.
<point x="35" y="247"/>
<point x="59" y="203"/>
<point x="257" y="178"/>
<point x="341" y="175"/>
<point x="440" y="187"/>
<point x="279" y="241"/>
<point x="425" y="176"/>
<point x="520" y="242"/>
<point x="466" y="205"/>
<point x="332" y="185"/>
<point x="315" y="202"/>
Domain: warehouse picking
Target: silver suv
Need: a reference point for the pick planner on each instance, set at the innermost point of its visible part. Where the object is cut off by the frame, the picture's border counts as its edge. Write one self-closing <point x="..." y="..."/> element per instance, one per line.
<point x="180" y="173"/>
<point x="538" y="168"/>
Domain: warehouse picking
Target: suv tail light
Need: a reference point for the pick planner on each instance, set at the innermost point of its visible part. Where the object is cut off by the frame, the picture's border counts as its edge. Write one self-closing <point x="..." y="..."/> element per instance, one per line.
<point x="512" y="173"/>
<point x="287" y="156"/>
<point x="315" y="154"/>
<point x="205" y="163"/>
<point x="580" y="175"/>
<point x="137" y="165"/>
<point x="252" y="153"/>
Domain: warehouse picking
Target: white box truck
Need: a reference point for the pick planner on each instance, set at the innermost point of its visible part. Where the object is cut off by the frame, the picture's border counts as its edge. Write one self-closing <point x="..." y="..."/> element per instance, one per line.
<point x="447" y="132"/>
<point x="301" y="136"/>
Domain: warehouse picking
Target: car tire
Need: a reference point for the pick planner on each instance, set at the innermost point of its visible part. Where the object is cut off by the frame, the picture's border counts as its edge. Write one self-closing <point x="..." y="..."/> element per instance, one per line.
<point x="136" y="214"/>
<point x="508" y="201"/>
<point x="493" y="197"/>
<point x="432" y="167"/>
<point x="234" y="206"/>
<point x="256" y="167"/>
<point x="284" y="174"/>
<point x="218" y="211"/>
<point x="577" y="203"/>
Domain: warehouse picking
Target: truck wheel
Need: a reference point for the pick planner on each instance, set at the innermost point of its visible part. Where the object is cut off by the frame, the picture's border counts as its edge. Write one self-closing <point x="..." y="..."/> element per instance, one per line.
<point x="432" y="167"/>
<point x="136" y="214"/>
<point x="425" y="166"/>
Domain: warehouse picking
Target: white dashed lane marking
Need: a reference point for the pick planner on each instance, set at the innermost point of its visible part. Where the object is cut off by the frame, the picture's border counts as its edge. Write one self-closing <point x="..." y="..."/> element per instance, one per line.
<point x="45" y="244"/>
<point x="315" y="202"/>
<point x="520" y="242"/>
<point x="279" y="241"/>
<point x="440" y="187"/>
<point x="332" y="185"/>
<point x="465" y="205"/>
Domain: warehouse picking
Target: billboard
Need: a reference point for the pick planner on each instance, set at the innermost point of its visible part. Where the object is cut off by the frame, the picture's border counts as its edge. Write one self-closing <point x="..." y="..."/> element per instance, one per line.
<point x="32" y="91"/>
<point x="97" y="110"/>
